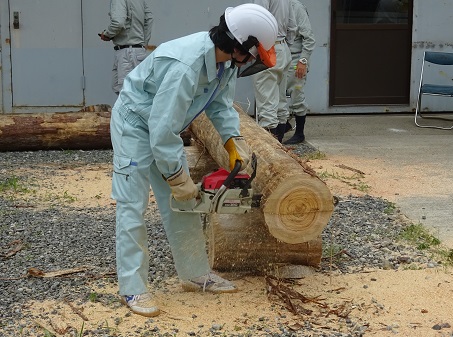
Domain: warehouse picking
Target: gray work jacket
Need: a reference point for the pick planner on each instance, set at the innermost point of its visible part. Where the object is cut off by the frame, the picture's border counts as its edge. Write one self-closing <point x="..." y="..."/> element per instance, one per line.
<point x="130" y="22"/>
<point x="304" y="43"/>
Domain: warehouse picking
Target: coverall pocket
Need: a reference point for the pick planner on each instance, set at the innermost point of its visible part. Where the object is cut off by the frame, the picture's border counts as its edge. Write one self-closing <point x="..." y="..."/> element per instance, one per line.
<point x="124" y="173"/>
<point x="141" y="56"/>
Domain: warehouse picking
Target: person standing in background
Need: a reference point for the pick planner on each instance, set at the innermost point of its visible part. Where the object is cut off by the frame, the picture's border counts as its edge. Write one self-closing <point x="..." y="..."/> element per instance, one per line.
<point x="301" y="50"/>
<point x="270" y="84"/>
<point x="129" y="30"/>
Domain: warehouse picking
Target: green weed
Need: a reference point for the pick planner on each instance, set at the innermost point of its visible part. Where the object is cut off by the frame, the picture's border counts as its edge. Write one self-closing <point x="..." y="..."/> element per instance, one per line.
<point x="13" y="184"/>
<point x="390" y="209"/>
<point x="418" y="235"/>
<point x="314" y="155"/>
<point x="422" y="239"/>
<point x="93" y="297"/>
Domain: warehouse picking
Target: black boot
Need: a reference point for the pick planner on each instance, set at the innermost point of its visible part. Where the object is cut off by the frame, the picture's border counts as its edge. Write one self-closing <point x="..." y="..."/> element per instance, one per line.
<point x="274" y="131"/>
<point x="278" y="132"/>
<point x="298" y="136"/>
<point x="288" y="127"/>
<point x="281" y="131"/>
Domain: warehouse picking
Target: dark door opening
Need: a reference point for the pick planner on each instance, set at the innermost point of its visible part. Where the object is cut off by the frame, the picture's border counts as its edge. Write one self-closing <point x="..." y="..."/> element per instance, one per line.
<point x="370" y="55"/>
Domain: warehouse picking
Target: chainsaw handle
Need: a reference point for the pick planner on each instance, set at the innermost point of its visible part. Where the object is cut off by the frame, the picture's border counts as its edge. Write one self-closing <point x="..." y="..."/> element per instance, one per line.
<point x="233" y="173"/>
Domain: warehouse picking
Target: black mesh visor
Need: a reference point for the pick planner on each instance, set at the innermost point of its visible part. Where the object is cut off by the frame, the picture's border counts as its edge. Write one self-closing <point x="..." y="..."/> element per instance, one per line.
<point x="253" y="68"/>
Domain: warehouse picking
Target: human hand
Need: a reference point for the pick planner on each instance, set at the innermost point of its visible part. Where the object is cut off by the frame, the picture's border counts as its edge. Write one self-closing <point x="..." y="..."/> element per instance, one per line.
<point x="103" y="37"/>
<point x="238" y="149"/>
<point x="182" y="186"/>
<point x="300" y="70"/>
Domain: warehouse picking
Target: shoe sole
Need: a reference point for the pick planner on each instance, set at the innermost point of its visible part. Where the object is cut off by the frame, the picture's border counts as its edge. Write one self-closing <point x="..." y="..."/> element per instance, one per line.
<point x="150" y="314"/>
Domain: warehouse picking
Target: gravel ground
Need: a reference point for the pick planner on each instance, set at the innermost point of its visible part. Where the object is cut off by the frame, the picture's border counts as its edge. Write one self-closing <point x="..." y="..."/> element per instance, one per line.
<point x="360" y="235"/>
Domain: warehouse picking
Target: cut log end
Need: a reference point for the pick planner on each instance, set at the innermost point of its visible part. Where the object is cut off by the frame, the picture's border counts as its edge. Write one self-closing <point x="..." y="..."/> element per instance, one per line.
<point x="295" y="209"/>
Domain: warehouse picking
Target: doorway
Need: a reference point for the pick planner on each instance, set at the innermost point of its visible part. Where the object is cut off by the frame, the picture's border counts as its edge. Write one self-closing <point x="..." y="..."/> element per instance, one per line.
<point x="370" y="55"/>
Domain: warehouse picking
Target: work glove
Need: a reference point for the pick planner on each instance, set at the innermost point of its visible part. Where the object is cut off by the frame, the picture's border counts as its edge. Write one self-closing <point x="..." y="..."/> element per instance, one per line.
<point x="238" y="149"/>
<point x="182" y="186"/>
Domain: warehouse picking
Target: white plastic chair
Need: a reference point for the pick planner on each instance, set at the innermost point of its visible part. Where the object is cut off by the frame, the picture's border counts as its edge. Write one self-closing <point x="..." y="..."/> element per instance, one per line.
<point x="441" y="59"/>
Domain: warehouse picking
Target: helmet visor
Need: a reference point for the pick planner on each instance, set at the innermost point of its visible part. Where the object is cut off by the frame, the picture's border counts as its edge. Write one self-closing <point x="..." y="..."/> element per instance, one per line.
<point x="264" y="60"/>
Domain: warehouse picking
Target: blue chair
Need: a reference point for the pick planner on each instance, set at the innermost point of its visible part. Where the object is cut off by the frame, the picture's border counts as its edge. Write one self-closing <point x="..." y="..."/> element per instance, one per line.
<point x="440" y="59"/>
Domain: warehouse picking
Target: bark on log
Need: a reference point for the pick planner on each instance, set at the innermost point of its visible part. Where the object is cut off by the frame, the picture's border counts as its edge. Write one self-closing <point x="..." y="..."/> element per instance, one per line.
<point x="88" y="129"/>
<point x="297" y="205"/>
<point x="242" y="242"/>
<point x="239" y="242"/>
<point x="199" y="160"/>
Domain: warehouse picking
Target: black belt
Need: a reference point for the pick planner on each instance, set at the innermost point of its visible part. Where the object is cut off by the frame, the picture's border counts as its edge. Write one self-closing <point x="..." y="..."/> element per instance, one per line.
<point x="132" y="46"/>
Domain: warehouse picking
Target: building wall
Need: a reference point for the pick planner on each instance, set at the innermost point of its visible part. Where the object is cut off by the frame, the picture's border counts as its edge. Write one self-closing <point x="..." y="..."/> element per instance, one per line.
<point x="432" y="29"/>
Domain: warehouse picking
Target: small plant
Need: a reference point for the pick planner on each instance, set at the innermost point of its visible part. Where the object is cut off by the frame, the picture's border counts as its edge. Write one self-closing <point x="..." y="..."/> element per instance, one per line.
<point x="80" y="334"/>
<point x="314" y="155"/>
<point x="12" y="183"/>
<point x="93" y="297"/>
<point x="111" y="330"/>
<point x="68" y="197"/>
<point x="331" y="251"/>
<point x="362" y="187"/>
<point x="420" y="237"/>
<point x="390" y="209"/>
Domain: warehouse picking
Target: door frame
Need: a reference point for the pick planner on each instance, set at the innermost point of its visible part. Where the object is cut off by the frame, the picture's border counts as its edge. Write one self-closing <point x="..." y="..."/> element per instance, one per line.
<point x="334" y="27"/>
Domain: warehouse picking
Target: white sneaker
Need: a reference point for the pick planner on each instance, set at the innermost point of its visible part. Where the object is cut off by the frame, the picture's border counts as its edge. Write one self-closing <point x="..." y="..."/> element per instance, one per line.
<point x="141" y="304"/>
<point x="209" y="282"/>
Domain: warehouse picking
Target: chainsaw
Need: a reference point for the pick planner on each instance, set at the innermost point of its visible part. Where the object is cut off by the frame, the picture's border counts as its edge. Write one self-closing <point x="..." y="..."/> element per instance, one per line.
<point x="224" y="192"/>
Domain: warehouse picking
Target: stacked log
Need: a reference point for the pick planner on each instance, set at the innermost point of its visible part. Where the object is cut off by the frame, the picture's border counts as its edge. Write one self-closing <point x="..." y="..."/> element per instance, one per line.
<point x="88" y="129"/>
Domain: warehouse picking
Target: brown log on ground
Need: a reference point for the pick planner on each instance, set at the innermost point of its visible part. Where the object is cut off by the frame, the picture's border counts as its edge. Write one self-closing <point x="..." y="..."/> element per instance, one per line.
<point x="88" y="129"/>
<point x="297" y="205"/>
<point x="239" y="242"/>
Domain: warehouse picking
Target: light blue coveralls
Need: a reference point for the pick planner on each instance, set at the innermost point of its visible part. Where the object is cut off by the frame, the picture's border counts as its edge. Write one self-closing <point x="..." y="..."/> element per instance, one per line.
<point x="160" y="98"/>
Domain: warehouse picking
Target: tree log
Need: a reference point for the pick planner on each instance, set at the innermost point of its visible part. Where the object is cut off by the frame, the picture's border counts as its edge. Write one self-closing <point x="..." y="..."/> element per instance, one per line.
<point x="238" y="242"/>
<point x="88" y="129"/>
<point x="297" y="205"/>
<point x="242" y="242"/>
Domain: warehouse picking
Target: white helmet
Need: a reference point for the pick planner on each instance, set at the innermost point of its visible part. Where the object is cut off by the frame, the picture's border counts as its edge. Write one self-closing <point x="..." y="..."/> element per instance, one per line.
<point x="251" y="19"/>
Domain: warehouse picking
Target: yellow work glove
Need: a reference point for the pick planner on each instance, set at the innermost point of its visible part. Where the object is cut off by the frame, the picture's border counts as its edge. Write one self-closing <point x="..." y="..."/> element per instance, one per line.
<point x="182" y="186"/>
<point x="238" y="149"/>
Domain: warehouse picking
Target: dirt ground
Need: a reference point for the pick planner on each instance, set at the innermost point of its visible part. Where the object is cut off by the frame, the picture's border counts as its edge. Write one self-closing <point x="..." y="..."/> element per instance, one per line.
<point x="385" y="302"/>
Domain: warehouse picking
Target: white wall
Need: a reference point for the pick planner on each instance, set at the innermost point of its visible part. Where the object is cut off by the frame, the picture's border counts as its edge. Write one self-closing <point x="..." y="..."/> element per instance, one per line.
<point x="433" y="24"/>
<point x="432" y="30"/>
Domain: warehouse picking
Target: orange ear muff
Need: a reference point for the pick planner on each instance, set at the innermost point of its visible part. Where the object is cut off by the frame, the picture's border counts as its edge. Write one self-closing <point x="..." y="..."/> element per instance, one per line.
<point x="268" y="57"/>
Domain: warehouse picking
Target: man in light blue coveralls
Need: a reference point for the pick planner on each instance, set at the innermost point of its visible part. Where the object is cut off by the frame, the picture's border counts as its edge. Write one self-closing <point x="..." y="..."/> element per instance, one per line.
<point x="160" y="98"/>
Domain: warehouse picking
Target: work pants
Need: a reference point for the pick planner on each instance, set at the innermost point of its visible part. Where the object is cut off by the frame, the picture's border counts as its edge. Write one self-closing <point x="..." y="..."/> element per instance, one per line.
<point x="134" y="171"/>
<point x="297" y="104"/>
<point x="270" y="90"/>
<point x="124" y="60"/>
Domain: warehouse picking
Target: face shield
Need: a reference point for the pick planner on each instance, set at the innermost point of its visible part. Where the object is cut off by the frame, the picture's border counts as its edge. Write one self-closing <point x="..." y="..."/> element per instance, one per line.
<point x="264" y="59"/>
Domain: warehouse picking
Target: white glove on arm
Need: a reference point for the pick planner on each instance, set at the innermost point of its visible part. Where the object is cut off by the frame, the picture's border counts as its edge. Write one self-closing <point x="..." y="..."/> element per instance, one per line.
<point x="238" y="149"/>
<point x="182" y="186"/>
